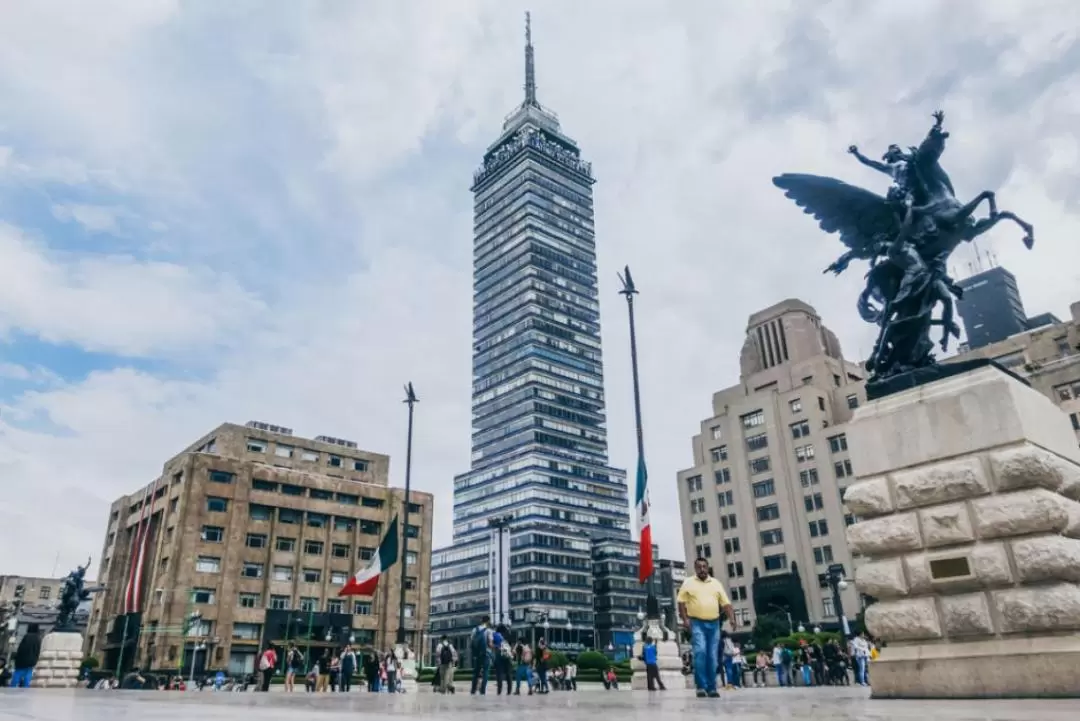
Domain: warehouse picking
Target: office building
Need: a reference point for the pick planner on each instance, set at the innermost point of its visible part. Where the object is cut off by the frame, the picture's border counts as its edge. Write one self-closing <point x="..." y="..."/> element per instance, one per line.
<point x="763" y="501"/>
<point x="30" y="600"/>
<point x="670" y="575"/>
<point x="246" y="538"/>
<point x="540" y="470"/>
<point x="991" y="307"/>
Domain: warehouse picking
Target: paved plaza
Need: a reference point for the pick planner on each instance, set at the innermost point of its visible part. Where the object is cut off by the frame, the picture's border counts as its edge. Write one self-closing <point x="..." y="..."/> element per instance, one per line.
<point x="845" y="704"/>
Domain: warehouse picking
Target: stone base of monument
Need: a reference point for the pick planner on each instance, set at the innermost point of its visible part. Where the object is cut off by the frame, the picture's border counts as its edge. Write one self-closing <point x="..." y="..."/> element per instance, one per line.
<point x="407" y="664"/>
<point x="668" y="658"/>
<point x="59" y="662"/>
<point x="969" y="539"/>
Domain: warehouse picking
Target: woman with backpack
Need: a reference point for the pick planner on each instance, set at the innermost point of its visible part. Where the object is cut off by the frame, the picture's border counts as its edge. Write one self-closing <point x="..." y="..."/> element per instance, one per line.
<point x="447" y="656"/>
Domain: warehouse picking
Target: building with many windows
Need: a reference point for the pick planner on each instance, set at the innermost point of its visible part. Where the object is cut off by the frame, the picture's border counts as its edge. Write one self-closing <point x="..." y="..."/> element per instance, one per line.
<point x="763" y="501"/>
<point x="246" y="538"/>
<point x="540" y="469"/>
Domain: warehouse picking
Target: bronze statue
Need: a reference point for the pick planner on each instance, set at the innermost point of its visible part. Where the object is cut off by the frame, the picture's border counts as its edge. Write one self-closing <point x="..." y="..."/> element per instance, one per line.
<point x="73" y="593"/>
<point x="907" y="237"/>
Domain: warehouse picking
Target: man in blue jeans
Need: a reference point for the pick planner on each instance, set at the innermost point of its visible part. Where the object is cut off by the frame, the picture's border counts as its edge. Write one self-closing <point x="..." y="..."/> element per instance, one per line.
<point x="701" y="598"/>
<point x="480" y="648"/>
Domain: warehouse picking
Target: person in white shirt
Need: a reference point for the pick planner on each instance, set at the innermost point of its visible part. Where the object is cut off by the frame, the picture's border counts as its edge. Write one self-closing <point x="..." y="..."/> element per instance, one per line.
<point x="860" y="651"/>
<point x="571" y="676"/>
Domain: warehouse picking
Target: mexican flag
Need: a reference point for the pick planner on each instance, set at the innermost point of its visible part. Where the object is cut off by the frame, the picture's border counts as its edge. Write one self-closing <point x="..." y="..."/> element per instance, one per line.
<point x="645" y="560"/>
<point x="366" y="579"/>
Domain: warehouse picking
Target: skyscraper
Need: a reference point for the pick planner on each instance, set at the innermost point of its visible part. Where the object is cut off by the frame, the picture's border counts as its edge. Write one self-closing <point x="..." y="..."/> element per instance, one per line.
<point x="991" y="307"/>
<point x="540" y="506"/>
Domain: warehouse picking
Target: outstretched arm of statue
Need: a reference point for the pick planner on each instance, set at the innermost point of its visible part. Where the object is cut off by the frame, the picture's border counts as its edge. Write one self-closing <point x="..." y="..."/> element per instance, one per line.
<point x="876" y="165"/>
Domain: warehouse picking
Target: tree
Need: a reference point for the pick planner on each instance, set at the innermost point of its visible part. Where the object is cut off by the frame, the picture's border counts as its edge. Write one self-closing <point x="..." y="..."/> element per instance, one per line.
<point x="767" y="628"/>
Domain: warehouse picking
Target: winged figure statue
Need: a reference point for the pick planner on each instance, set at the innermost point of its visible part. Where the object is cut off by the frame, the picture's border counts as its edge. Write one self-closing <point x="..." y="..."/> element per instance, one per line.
<point x="907" y="237"/>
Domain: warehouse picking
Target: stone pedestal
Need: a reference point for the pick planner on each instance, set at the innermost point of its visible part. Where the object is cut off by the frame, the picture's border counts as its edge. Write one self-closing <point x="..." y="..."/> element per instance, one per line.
<point x="668" y="659"/>
<point x="59" y="662"/>
<point x="407" y="664"/>
<point x="969" y="537"/>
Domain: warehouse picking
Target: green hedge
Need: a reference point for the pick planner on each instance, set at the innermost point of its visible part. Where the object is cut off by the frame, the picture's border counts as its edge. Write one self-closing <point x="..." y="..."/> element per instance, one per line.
<point x="590" y="675"/>
<point x="796" y="638"/>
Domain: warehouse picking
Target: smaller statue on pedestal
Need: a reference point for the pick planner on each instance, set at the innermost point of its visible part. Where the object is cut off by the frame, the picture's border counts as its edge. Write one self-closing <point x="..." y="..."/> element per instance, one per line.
<point x="73" y="593"/>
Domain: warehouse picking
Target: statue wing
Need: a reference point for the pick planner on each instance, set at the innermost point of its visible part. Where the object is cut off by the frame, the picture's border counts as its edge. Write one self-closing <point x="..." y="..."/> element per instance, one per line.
<point x="856" y="214"/>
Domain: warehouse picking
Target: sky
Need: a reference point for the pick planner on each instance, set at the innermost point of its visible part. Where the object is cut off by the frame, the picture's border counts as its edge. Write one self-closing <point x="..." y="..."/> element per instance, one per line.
<point x="249" y="210"/>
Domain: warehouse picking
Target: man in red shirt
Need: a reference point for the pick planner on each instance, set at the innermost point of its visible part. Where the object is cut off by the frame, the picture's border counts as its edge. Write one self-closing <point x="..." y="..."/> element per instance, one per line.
<point x="267" y="664"/>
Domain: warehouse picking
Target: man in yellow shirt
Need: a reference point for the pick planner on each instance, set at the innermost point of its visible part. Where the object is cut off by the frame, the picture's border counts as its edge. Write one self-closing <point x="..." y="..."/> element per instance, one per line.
<point x="701" y="598"/>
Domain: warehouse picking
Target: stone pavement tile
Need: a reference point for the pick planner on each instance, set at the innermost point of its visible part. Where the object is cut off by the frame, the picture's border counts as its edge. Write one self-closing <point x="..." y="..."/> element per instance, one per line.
<point x="826" y="704"/>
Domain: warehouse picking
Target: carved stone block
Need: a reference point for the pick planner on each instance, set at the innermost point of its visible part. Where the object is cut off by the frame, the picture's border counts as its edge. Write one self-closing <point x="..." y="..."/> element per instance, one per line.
<point x="940" y="483"/>
<point x="946" y="525"/>
<point x="882" y="579"/>
<point x="966" y="615"/>
<point x="888" y="534"/>
<point x="1043" y="608"/>
<point x="1047" y="558"/>
<point x="1028" y="466"/>
<point x="909" y="619"/>
<point x="869" y="498"/>
<point x="1035" y="510"/>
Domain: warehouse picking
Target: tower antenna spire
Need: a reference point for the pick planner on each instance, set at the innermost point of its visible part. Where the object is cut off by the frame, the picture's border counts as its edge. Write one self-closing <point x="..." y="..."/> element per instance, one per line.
<point x="530" y="64"/>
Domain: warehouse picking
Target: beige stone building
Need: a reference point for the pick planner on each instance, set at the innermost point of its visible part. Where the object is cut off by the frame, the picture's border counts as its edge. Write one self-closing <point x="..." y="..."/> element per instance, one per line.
<point x="31" y="591"/>
<point x="764" y="494"/>
<point x="772" y="463"/>
<point x="252" y="533"/>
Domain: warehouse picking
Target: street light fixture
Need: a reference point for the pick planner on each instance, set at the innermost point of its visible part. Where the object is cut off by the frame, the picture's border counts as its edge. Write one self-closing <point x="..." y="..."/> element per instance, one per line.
<point x="802" y="628"/>
<point x="836" y="579"/>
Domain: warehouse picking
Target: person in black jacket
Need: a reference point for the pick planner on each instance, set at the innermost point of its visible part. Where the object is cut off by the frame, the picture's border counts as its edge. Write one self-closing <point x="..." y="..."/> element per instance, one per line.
<point x="26" y="657"/>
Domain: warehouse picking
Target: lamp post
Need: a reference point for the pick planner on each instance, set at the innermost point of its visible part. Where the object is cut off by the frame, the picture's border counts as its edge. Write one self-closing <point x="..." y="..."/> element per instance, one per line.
<point x="411" y="400"/>
<point x="783" y="610"/>
<point x="199" y="646"/>
<point x="835" y="576"/>
<point x="652" y="605"/>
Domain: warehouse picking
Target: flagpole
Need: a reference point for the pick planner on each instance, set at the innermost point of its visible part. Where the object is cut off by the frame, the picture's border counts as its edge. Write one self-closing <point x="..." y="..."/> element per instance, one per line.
<point x="411" y="400"/>
<point x="629" y="290"/>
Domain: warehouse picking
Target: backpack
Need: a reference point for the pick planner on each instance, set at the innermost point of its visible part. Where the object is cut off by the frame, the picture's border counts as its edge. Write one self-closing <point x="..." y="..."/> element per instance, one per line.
<point x="264" y="662"/>
<point x="785" y="655"/>
<point x="446" y="655"/>
<point x="479" y="642"/>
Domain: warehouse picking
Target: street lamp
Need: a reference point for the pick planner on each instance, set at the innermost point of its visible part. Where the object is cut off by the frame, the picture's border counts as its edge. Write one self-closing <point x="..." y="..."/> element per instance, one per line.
<point x="790" y="622"/>
<point x="835" y="577"/>
<point x="802" y="628"/>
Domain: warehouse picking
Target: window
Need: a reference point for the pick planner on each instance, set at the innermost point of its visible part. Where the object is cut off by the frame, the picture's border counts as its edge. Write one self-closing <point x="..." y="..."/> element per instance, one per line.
<point x="717" y="432"/>
<point x="410" y="610"/>
<point x="344" y="524"/>
<point x="775" y="563"/>
<point x="373" y="528"/>
<point x="364" y="553"/>
<point x="760" y="465"/>
<point x="410" y="583"/>
<point x="252" y="570"/>
<point x="259" y="513"/>
<point x="1068" y="391"/>
<point x="827" y="607"/>
<point x="249" y="600"/>
<point x="753" y="420"/>
<point x="309" y="456"/>
<point x="279" y="603"/>
<point x="283" y="451"/>
<point x="693" y="483"/>
<point x="800" y="429"/>
<point x="808" y="477"/>
<point x="352" y="500"/>
<point x="757" y="442"/>
<point x="282" y="573"/>
<point x="836" y="380"/>
<point x="215" y="504"/>
<point x="701" y="528"/>
<point x="254" y="445"/>
<point x="339" y="550"/>
<point x="410" y="558"/>
<point x="200" y="627"/>
<point x="843" y="468"/>
<point x="795" y="405"/>
<point x="290" y="489"/>
<point x="205" y="596"/>
<point x="362" y="608"/>
<point x="339" y="578"/>
<point x="213" y="534"/>
<point x="704" y="550"/>
<point x="288" y="515"/>
<point x="309" y="604"/>
<point x="335" y="606"/>
<point x="718" y="454"/>
<point x="256" y="540"/>
<point x="727" y="498"/>
<point x="220" y="477"/>
<point x="207" y="564"/>
<point x="821" y="403"/>
<point x="246" y="631"/>
<point x="850" y="519"/>
<point x="731" y="545"/>
<point x="358" y="465"/>
<point x="804" y="453"/>
<point x="334" y="461"/>
<point x="285" y="545"/>
<point x="823" y="555"/>
<point x="320" y="495"/>
<point x="1075" y="418"/>
<point x="765" y="488"/>
<point x="317" y="520"/>
<point x="697" y="505"/>
<point x="772" y="537"/>
<point x="415" y="508"/>
<point x="813" y="503"/>
<point x="735" y="569"/>
<point x="853" y="401"/>
<point x="738" y="593"/>
<point x="729" y="522"/>
<point x="173" y="503"/>
<point x="723" y="475"/>
<point x="819" y="528"/>
<point x="44" y="593"/>
<point x="312" y="575"/>
<point x="258" y="484"/>
<point x="838" y="443"/>
<point x="313" y="548"/>
<point x="770" y="512"/>
<point x="368" y="502"/>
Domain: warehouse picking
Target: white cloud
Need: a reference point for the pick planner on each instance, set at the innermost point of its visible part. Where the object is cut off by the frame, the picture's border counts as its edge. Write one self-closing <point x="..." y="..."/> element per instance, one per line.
<point x="95" y="218"/>
<point x="321" y="156"/>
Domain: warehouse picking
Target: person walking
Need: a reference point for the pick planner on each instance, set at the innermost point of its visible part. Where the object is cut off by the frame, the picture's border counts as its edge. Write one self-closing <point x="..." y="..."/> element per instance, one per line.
<point x="652" y="669"/>
<point x="503" y="659"/>
<point x="348" y="668"/>
<point x="571" y="676"/>
<point x="267" y="664"/>
<point x="294" y="664"/>
<point x="447" y="655"/>
<point x="480" y="647"/>
<point x="543" y="658"/>
<point x="391" y="665"/>
<point x="700" y="600"/>
<point x="860" y="648"/>
<point x="26" y="657"/>
<point x="523" y="672"/>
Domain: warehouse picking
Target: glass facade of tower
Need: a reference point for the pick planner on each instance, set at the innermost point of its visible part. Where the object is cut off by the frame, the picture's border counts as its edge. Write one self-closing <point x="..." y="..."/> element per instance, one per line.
<point x="539" y="442"/>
